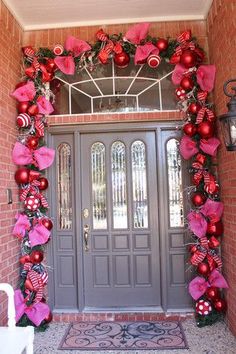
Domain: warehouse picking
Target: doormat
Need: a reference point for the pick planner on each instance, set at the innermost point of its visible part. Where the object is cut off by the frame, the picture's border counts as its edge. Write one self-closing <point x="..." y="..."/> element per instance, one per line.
<point x="124" y="336"/>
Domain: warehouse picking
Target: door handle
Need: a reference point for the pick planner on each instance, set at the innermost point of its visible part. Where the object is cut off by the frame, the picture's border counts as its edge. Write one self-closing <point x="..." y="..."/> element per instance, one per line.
<point x="86" y="237"/>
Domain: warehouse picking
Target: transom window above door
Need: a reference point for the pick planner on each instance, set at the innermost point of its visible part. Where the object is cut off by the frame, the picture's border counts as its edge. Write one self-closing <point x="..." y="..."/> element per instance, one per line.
<point x="108" y="88"/>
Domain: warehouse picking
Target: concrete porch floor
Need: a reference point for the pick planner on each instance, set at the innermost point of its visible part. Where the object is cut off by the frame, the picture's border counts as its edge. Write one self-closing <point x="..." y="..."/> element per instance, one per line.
<point x="216" y="339"/>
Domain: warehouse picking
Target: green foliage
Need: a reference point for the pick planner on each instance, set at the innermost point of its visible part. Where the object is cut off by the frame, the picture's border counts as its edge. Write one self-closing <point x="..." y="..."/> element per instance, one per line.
<point x="208" y="320"/>
<point x="24" y="322"/>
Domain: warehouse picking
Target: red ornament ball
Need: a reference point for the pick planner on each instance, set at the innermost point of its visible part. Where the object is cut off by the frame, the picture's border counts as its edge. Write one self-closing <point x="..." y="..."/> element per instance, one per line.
<point x="215" y="229"/>
<point x="213" y="242"/>
<point x="188" y="58"/>
<point x="51" y="65"/>
<point x="153" y="60"/>
<point x="190" y="129"/>
<point x="193" y="108"/>
<point x="203" y="268"/>
<point x="180" y="93"/>
<point x="162" y="44"/>
<point x="32" y="142"/>
<point x="24" y="259"/>
<point x="32" y="203"/>
<point x="220" y="305"/>
<point x="23" y="120"/>
<point x="47" y="223"/>
<point x="48" y="318"/>
<point x="22" y="175"/>
<point x="212" y="293"/>
<point x="121" y="60"/>
<point x="33" y="110"/>
<point x="43" y="183"/>
<point x="187" y="83"/>
<point x="200" y="158"/>
<point x="198" y="199"/>
<point x="36" y="257"/>
<point x="22" y="107"/>
<point x="203" y="307"/>
<point x="205" y="130"/>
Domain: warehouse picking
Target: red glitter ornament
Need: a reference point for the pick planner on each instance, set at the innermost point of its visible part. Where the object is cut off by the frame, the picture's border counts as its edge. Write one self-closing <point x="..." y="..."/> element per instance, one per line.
<point x="220" y="305"/>
<point x="43" y="183"/>
<point x="22" y="175"/>
<point x="215" y="229"/>
<point x="121" y="60"/>
<point x="205" y="130"/>
<point x="193" y="108"/>
<point x="203" y="269"/>
<point x="162" y="44"/>
<point x="187" y="83"/>
<point x="188" y="58"/>
<point x="190" y="129"/>
<point x="32" y="142"/>
<point x="47" y="223"/>
<point x="22" y="107"/>
<point x="36" y="257"/>
<point x="212" y="293"/>
<point x="198" y="199"/>
<point x="33" y="110"/>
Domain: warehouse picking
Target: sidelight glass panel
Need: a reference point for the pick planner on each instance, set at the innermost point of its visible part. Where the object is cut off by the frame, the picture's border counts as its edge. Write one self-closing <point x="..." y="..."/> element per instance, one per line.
<point x="99" y="186"/>
<point x="119" y="197"/>
<point x="175" y="185"/>
<point x="139" y="180"/>
<point x="64" y="186"/>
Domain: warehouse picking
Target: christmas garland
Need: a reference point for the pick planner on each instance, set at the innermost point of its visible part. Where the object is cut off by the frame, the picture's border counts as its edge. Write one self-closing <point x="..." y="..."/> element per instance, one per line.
<point x="35" y="95"/>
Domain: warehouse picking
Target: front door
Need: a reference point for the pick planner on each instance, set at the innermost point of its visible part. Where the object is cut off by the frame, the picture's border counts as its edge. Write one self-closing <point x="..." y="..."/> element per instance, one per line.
<point x="120" y="234"/>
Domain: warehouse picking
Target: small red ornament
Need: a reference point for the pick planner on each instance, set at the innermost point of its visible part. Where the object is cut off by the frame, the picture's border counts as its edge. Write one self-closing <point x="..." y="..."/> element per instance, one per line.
<point x="200" y="54"/>
<point x="24" y="259"/>
<point x="180" y="93"/>
<point x="47" y="223"/>
<point x="175" y="58"/>
<point x="188" y="58"/>
<point x="58" y="49"/>
<point x="187" y="83"/>
<point x="192" y="248"/>
<point x="203" y="268"/>
<point x="33" y="110"/>
<point x="48" y="318"/>
<point x="22" y="175"/>
<point x="162" y="44"/>
<point x="33" y="175"/>
<point x="20" y="84"/>
<point x="200" y="158"/>
<point x="22" y="107"/>
<point x="23" y="120"/>
<point x="203" y="307"/>
<point x="43" y="183"/>
<point x="36" y="257"/>
<point x="213" y="242"/>
<point x="153" y="61"/>
<point x="32" y="203"/>
<point x="121" y="60"/>
<point x="198" y="199"/>
<point x="215" y="229"/>
<point x="30" y="72"/>
<point x="51" y="65"/>
<point x="205" y="130"/>
<point x="220" y="305"/>
<point x="32" y="142"/>
<point x="212" y="293"/>
<point x="193" y="108"/>
<point x="190" y="129"/>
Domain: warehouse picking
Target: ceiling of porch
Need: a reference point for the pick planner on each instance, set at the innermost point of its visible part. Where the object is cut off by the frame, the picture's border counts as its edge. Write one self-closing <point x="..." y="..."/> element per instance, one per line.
<point x="44" y="14"/>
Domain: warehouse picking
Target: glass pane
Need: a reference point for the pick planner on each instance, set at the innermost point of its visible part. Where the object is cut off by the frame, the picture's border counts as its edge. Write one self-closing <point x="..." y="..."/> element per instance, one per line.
<point x="64" y="186"/>
<point x="99" y="186"/>
<point x="175" y="186"/>
<point x="139" y="178"/>
<point x="119" y="198"/>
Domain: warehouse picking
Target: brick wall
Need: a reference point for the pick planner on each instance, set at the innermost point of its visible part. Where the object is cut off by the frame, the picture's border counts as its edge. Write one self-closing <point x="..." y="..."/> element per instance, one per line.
<point x="221" y="28"/>
<point x="10" y="62"/>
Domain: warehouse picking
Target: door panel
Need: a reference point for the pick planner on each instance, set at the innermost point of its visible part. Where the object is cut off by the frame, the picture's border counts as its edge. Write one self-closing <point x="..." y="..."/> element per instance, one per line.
<point x="119" y="189"/>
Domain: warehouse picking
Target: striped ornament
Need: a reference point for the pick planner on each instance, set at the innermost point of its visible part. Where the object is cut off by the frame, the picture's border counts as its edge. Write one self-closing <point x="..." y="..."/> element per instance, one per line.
<point x="23" y="120"/>
<point x="58" y="49"/>
<point x="153" y="61"/>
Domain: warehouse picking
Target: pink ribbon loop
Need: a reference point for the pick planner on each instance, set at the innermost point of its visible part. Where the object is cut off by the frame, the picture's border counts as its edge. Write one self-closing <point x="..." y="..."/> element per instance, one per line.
<point x="39" y="235"/>
<point x="21" y="226"/>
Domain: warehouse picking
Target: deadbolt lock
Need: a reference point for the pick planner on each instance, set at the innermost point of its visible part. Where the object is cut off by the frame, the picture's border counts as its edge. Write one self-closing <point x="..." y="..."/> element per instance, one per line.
<point x="85" y="213"/>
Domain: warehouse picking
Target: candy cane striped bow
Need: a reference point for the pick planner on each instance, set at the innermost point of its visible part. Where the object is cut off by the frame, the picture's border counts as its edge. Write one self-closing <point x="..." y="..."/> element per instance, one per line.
<point x="205" y="112"/>
<point x="37" y="280"/>
<point x="39" y="125"/>
<point x="183" y="40"/>
<point x="30" y="188"/>
<point x="200" y="173"/>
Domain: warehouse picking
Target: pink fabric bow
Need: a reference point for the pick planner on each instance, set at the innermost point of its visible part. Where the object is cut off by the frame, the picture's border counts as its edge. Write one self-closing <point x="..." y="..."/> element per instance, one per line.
<point x="44" y="106"/>
<point x="25" y="93"/>
<point x="143" y="52"/>
<point x="210" y="146"/>
<point x="137" y="33"/>
<point x="206" y="77"/>
<point x="76" y="46"/>
<point x="66" y="64"/>
<point x="198" y="286"/>
<point x="39" y="235"/>
<point x="178" y="74"/>
<point x="187" y="147"/>
<point x="36" y="312"/>
<point x="212" y="210"/>
<point x="42" y="157"/>
<point x="197" y="223"/>
<point x="21" y="226"/>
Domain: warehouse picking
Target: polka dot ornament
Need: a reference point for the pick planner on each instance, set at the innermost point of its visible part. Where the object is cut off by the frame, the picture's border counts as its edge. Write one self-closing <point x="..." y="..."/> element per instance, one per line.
<point x="32" y="203"/>
<point x="203" y="307"/>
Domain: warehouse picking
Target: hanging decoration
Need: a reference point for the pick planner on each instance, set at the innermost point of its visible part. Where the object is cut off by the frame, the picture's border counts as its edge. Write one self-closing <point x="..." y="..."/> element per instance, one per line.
<point x="35" y="96"/>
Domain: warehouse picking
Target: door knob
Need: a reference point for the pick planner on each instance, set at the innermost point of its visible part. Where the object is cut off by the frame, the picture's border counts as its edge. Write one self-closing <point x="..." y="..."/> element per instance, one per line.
<point x="86" y="237"/>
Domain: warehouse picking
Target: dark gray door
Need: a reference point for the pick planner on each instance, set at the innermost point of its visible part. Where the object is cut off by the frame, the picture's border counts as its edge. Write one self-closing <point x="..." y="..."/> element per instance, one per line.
<point x="120" y="237"/>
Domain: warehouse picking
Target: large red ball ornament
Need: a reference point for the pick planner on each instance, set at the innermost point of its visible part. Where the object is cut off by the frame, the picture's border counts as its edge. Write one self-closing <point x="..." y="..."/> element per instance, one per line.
<point x="32" y="142"/>
<point x="32" y="203"/>
<point x="33" y="110"/>
<point x="51" y="65"/>
<point x="162" y="44"/>
<point x="188" y="58"/>
<point x="121" y="60"/>
<point x="203" y="268"/>
<point x="36" y="257"/>
<point x="24" y="259"/>
<point x="22" y="175"/>
<point x="22" y="107"/>
<point x="206" y="130"/>
<point x="187" y="83"/>
<point x="193" y="108"/>
<point x="212" y="293"/>
<point x="47" y="223"/>
<point x="48" y="318"/>
<point x="43" y="183"/>
<point x="180" y="93"/>
<point x="203" y="307"/>
<point x="190" y="129"/>
<point x="198" y="199"/>
<point x="215" y="229"/>
<point x="213" y="242"/>
<point x="220" y="305"/>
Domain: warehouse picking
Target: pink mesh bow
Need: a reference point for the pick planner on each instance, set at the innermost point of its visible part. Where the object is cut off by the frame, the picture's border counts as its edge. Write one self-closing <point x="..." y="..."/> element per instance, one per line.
<point x="36" y="312"/>
<point x="25" y="93"/>
<point x="66" y="64"/>
<point x="21" y="226"/>
<point x="137" y="33"/>
<point x="178" y="74"/>
<point x="143" y="52"/>
<point x="210" y="146"/>
<point x="212" y="210"/>
<point x="184" y="42"/>
<point x="44" y="106"/>
<point x="39" y="235"/>
<point x="197" y="223"/>
<point x="206" y="77"/>
<point x="187" y="147"/>
<point x="42" y="157"/>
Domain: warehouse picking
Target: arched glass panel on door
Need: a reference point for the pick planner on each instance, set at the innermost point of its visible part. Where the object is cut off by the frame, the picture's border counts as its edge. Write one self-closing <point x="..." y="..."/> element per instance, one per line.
<point x="175" y="184"/>
<point x="99" y="198"/>
<point x="139" y="180"/>
<point x="119" y="197"/>
<point x="64" y="187"/>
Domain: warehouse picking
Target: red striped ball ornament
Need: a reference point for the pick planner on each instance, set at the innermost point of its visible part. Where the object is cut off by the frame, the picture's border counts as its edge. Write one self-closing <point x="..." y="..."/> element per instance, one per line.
<point x="58" y="49"/>
<point x="153" y="61"/>
<point x="23" y="120"/>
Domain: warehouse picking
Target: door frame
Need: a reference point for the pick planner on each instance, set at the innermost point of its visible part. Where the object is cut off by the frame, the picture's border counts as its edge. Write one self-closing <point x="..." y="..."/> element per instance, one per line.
<point x="76" y="130"/>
